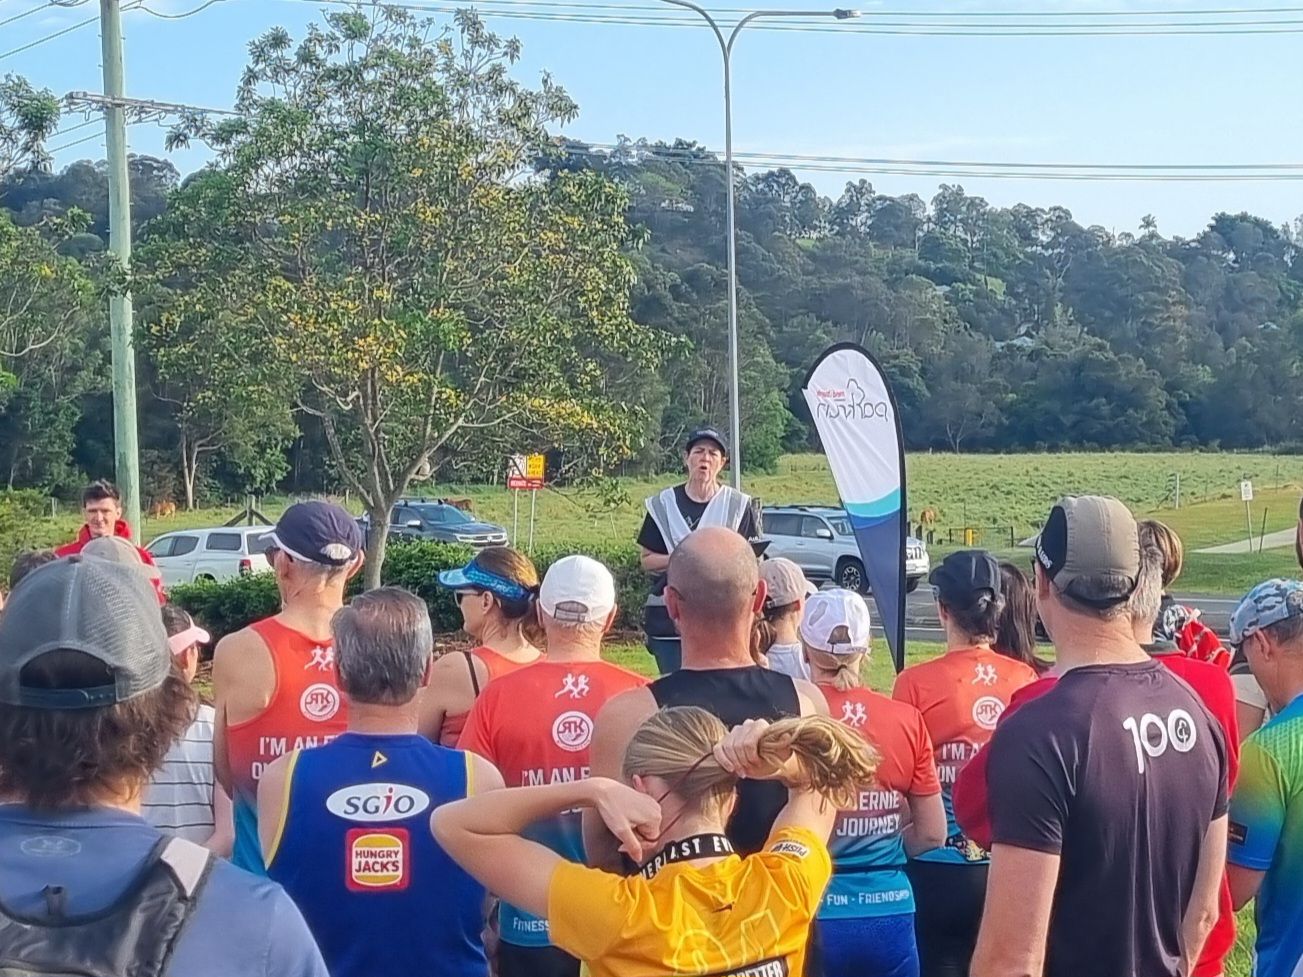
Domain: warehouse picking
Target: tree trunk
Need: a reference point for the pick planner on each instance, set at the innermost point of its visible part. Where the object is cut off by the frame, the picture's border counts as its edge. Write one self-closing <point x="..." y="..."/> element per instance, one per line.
<point x="376" y="544"/>
<point x="189" y="468"/>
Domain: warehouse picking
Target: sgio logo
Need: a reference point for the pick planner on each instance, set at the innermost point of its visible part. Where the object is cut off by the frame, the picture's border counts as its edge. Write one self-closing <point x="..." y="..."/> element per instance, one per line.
<point x="377" y="802"/>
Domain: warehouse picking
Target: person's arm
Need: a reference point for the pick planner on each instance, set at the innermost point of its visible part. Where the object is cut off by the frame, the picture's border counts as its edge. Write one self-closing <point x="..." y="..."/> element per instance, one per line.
<point x="1244" y="883"/>
<point x="1029" y="777"/>
<point x="243" y="679"/>
<point x="811" y="697"/>
<point x="1016" y="915"/>
<point x="1257" y="820"/>
<point x="222" y="840"/>
<point x="482" y="776"/>
<point x="654" y="562"/>
<point x="1202" y="911"/>
<point x="274" y="803"/>
<point x="927" y="824"/>
<point x="482" y="833"/>
<point x="655" y="554"/>
<point x="613" y="728"/>
<point x="1248" y="717"/>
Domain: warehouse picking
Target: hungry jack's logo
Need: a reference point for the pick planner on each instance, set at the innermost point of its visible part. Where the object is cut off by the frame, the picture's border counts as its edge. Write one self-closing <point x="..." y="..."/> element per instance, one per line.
<point x="377" y="859"/>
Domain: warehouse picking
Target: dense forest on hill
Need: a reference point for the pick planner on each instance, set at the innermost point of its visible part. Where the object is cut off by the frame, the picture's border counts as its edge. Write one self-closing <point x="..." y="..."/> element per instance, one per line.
<point x="1002" y="328"/>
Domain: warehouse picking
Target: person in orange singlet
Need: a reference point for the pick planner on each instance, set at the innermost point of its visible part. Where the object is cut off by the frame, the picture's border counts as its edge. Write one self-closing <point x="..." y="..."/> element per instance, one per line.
<point x="535" y="725"/>
<point x="497" y="593"/>
<point x="274" y="682"/>
<point x="961" y="696"/>
<point x="867" y="919"/>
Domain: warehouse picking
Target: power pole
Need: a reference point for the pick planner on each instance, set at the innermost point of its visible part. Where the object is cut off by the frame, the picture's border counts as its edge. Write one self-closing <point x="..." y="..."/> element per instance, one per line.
<point x="126" y="452"/>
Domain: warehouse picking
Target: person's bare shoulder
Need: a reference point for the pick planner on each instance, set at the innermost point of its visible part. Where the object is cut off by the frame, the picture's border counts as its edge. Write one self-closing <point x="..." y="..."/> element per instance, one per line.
<point x="811" y="698"/>
<point x="615" y="725"/>
<point x="243" y="675"/>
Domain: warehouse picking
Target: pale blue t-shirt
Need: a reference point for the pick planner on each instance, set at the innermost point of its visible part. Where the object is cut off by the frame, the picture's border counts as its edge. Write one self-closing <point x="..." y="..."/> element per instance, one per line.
<point x="242" y="925"/>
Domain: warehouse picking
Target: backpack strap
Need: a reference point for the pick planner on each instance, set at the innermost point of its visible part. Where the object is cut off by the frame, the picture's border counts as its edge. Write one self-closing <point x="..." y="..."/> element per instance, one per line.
<point x="188" y="862"/>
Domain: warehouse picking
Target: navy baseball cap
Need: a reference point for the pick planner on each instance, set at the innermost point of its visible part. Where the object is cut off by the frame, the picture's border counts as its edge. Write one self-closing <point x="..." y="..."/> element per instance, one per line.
<point x="707" y="434"/>
<point x="962" y="576"/>
<point x="318" y="532"/>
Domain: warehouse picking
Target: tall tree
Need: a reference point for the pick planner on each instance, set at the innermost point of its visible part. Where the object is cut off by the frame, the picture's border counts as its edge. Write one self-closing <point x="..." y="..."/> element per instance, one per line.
<point x="426" y="290"/>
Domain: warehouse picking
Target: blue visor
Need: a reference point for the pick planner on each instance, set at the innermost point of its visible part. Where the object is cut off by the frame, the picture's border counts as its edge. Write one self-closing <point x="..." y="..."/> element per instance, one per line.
<point x="473" y="576"/>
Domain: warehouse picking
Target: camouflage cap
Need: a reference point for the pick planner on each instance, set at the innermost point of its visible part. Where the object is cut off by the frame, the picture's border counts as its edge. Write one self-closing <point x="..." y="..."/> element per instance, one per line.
<point x="1266" y="604"/>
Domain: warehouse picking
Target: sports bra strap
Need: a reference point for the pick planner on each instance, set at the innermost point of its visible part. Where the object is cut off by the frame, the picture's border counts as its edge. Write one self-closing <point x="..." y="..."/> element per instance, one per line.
<point x="475" y="679"/>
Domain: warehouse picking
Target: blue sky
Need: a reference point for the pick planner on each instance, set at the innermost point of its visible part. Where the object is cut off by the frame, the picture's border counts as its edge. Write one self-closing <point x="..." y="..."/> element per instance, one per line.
<point x="1106" y="99"/>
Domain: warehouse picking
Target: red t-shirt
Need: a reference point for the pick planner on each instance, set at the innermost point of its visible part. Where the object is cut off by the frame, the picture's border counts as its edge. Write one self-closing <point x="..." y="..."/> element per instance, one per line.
<point x="1213" y="686"/>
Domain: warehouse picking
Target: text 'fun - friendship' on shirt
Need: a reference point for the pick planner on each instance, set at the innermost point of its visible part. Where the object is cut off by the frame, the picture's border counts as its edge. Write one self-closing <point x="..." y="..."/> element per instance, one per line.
<point x="867" y="848"/>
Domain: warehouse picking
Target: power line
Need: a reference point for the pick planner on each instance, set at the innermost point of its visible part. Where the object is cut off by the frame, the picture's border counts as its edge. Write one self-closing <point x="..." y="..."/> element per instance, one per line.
<point x="1141" y="173"/>
<point x="28" y="12"/>
<point x="655" y="151"/>
<point x="189" y="13"/>
<point x="50" y="37"/>
<point x="75" y="142"/>
<point x="904" y="28"/>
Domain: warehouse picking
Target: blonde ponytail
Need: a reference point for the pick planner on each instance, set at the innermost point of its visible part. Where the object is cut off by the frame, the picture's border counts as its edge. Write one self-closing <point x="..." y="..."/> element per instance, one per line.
<point x="845" y="668"/>
<point x="677" y="745"/>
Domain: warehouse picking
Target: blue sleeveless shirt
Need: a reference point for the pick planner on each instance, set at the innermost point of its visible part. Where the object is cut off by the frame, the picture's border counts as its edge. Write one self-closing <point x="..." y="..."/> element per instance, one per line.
<point x="356" y="854"/>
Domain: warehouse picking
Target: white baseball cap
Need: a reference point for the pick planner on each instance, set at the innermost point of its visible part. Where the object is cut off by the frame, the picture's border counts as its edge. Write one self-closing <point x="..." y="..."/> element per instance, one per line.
<point x="831" y="609"/>
<point x="577" y="590"/>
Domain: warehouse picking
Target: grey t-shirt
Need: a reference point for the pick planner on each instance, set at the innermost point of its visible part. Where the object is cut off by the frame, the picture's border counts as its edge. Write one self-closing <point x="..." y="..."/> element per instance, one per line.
<point x="243" y="925"/>
<point x="1119" y="770"/>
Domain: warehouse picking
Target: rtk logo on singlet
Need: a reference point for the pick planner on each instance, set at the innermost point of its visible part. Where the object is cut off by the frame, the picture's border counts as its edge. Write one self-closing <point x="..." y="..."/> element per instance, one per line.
<point x="572" y="731"/>
<point x="319" y="702"/>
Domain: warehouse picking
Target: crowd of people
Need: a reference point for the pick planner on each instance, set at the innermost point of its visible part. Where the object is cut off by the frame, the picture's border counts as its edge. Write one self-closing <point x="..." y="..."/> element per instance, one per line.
<point x="348" y="805"/>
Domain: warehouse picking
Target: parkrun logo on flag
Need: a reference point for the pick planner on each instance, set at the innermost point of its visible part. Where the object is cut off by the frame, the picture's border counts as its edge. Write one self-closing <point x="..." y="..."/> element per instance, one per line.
<point x="849" y="402"/>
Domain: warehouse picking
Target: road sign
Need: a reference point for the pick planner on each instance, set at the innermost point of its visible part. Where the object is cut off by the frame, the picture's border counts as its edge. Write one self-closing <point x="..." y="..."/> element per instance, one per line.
<point x="526" y="474"/>
<point x="1246" y="491"/>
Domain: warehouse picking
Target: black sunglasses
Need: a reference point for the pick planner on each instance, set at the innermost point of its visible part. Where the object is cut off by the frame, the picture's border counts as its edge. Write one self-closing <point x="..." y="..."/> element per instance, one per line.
<point x="461" y="595"/>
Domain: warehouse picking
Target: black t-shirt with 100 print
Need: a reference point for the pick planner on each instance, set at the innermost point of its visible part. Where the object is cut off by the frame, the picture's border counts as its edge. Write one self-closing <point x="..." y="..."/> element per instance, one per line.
<point x="1119" y="770"/>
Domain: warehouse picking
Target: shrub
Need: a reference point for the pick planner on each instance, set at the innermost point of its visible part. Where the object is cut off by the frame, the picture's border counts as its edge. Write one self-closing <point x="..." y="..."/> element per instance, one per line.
<point x="229" y="606"/>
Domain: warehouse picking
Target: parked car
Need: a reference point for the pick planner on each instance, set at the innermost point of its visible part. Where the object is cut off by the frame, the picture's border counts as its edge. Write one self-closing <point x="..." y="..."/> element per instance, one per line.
<point x="820" y="541"/>
<point x="436" y="520"/>
<point x="187" y="555"/>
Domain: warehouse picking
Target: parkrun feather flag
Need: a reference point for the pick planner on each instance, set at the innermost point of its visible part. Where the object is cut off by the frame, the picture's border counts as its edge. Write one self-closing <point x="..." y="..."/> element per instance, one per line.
<point x="855" y="414"/>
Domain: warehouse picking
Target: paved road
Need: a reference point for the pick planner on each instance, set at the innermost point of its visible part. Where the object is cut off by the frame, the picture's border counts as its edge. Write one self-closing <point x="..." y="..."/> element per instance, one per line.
<point x="922" y="624"/>
<point x="1271" y="541"/>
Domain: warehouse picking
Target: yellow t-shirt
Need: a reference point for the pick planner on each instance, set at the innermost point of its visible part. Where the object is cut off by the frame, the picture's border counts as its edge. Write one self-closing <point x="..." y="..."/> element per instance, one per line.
<point x="733" y="918"/>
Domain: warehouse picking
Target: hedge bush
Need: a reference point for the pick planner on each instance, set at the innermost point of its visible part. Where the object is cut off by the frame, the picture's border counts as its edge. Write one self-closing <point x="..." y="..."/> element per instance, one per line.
<point x="229" y="606"/>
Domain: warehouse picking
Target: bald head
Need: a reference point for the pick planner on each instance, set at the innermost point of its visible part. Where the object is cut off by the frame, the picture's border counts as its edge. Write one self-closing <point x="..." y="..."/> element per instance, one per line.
<point x="714" y="576"/>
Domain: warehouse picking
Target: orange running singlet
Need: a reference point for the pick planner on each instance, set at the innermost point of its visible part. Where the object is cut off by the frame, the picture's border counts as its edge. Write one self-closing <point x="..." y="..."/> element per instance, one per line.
<point x="961" y="696"/>
<point x="498" y="666"/>
<point x="305" y="710"/>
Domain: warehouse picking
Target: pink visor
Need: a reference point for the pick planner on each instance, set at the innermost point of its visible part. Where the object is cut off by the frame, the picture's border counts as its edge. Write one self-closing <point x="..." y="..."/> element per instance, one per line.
<point x="193" y="635"/>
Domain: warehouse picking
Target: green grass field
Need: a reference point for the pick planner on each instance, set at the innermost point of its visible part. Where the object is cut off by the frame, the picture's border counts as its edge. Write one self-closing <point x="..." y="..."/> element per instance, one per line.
<point x="1002" y="497"/>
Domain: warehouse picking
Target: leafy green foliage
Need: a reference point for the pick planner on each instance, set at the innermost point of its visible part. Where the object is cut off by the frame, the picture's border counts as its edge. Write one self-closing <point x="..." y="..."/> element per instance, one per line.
<point x="371" y="230"/>
<point x="28" y="116"/>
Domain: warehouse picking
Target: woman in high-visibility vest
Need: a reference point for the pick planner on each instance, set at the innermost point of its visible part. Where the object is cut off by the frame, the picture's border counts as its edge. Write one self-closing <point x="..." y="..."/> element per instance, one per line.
<point x="694" y="907"/>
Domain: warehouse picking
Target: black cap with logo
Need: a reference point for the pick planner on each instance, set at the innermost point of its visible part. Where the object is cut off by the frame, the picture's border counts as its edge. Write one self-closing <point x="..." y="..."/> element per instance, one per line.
<point x="707" y="434"/>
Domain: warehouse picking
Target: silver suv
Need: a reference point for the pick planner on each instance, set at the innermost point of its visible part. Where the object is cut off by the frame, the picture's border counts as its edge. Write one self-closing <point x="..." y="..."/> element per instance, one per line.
<point x="819" y="540"/>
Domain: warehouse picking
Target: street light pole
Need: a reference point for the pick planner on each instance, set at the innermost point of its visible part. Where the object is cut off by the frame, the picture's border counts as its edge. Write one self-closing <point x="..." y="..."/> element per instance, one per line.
<point x="726" y="50"/>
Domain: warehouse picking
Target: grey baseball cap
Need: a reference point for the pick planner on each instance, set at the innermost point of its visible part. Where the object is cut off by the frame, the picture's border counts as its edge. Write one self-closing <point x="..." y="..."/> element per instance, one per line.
<point x="1091" y="538"/>
<point x="107" y="611"/>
